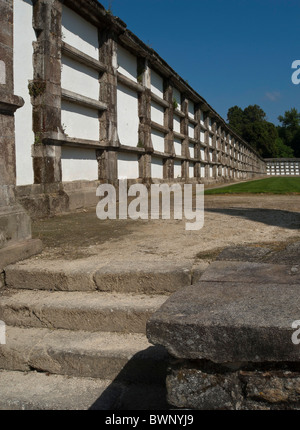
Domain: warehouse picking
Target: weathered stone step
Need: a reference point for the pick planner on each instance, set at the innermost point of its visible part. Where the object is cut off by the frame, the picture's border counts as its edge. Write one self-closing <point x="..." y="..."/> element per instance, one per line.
<point x="128" y="357"/>
<point x="40" y="391"/>
<point x="155" y="277"/>
<point x="88" y="311"/>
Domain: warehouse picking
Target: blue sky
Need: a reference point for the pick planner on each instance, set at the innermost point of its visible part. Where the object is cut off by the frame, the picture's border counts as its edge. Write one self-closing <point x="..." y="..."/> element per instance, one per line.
<point x="232" y="52"/>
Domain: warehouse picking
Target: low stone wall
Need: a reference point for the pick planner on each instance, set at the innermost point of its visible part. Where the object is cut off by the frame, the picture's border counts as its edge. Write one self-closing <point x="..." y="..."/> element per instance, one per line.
<point x="206" y="386"/>
<point x="43" y="200"/>
<point x="234" y="336"/>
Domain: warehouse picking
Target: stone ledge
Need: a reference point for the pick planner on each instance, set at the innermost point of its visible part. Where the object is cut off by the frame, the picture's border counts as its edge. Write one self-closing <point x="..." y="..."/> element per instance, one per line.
<point x="19" y="251"/>
<point x="10" y="103"/>
<point x="229" y="322"/>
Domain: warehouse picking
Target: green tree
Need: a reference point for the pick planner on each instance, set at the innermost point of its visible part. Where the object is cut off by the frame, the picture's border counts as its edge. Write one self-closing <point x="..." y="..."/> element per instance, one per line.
<point x="282" y="150"/>
<point x="289" y="131"/>
<point x="252" y="126"/>
<point x="291" y="119"/>
<point x="236" y="119"/>
<point x="254" y="113"/>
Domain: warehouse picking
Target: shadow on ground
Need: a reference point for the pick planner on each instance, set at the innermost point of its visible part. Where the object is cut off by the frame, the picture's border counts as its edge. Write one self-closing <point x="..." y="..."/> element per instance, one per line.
<point x="141" y="385"/>
<point x="271" y="217"/>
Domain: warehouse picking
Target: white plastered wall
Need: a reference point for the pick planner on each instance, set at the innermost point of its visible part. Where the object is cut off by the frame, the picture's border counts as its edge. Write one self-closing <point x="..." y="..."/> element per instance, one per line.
<point x="79" y="121"/>
<point x="78" y="32"/>
<point x="79" y="164"/>
<point x="24" y="36"/>
<point x="202" y="136"/>
<point x="79" y="78"/>
<point x="191" y="131"/>
<point x="177" y="97"/>
<point x="157" y="84"/>
<point x="176" y="123"/>
<point x="191" y="170"/>
<point x="128" y="166"/>
<point x="127" y="63"/>
<point x="158" y="141"/>
<point x="192" y="150"/>
<point x="157" y="113"/>
<point x="201" y="118"/>
<point x="202" y="153"/>
<point x="157" y="168"/>
<point x="177" y="169"/>
<point x="128" y="118"/>
<point x="178" y="146"/>
<point x="191" y="108"/>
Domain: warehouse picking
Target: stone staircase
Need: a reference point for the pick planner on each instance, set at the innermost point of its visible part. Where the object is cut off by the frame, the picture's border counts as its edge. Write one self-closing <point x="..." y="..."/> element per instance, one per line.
<point x="72" y="344"/>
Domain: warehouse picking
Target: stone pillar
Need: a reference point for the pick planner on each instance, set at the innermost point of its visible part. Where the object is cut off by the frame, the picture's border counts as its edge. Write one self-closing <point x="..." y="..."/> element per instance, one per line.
<point x="108" y="158"/>
<point x="145" y="140"/>
<point x="45" y="90"/>
<point x="15" y="224"/>
<point x="169" y="138"/>
<point x="184" y="129"/>
<point x="197" y="145"/>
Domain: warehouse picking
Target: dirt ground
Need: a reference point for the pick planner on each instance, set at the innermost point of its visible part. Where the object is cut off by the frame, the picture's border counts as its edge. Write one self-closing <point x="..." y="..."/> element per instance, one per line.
<point x="229" y="220"/>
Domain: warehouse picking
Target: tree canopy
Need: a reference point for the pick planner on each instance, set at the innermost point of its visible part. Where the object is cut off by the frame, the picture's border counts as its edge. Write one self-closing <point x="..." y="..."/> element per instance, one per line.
<point x="267" y="139"/>
<point x="289" y="131"/>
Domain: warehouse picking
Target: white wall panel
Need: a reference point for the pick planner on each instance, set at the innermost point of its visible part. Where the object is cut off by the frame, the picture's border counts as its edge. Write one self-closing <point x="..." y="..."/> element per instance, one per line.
<point x="79" y="121"/>
<point x="192" y="150"/>
<point x="157" y="84"/>
<point x="177" y="97"/>
<point x="158" y="141"/>
<point x="79" y="164"/>
<point x="78" y="32"/>
<point x="191" y="109"/>
<point x="157" y="113"/>
<point x="79" y="78"/>
<point x="178" y="146"/>
<point x="128" y="118"/>
<point x="177" y="169"/>
<point x="128" y="166"/>
<point x="202" y="136"/>
<point x="191" y="170"/>
<point x="24" y="35"/>
<point x="202" y="152"/>
<point x="127" y="63"/>
<point x="176" y="123"/>
<point x="157" y="168"/>
<point x="191" y="131"/>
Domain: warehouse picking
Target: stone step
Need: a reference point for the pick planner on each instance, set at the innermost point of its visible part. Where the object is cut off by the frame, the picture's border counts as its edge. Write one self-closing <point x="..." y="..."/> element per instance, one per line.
<point x="155" y="277"/>
<point x="88" y="311"/>
<point x="41" y="391"/>
<point x="127" y="357"/>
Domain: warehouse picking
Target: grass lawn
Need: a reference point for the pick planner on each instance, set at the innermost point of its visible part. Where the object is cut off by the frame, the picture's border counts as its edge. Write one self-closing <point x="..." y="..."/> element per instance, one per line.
<point x="284" y="185"/>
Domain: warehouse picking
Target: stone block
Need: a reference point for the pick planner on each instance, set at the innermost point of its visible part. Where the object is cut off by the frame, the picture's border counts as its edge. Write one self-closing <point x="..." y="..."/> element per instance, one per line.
<point x="229" y="322"/>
